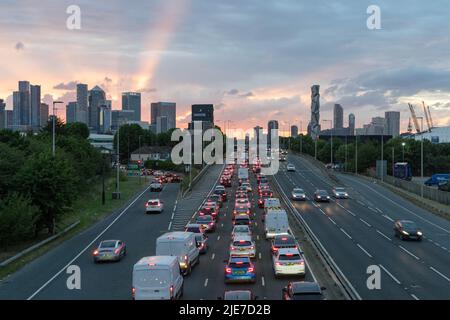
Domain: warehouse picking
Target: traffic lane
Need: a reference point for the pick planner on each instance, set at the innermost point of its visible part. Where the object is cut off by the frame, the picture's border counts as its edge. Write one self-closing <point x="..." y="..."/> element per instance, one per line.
<point x="348" y="256"/>
<point x="23" y="283"/>
<point x="113" y="280"/>
<point x="390" y="203"/>
<point x="421" y="279"/>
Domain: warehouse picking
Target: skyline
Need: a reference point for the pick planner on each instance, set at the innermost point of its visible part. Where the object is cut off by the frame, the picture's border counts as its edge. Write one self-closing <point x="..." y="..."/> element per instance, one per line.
<point x="253" y="61"/>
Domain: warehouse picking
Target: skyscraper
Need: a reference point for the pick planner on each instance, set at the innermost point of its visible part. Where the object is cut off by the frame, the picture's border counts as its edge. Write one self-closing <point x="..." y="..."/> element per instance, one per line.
<point x="294" y="131"/>
<point x="164" y="109"/>
<point x="120" y="117"/>
<point x="351" y="124"/>
<point x="105" y="117"/>
<point x="44" y="114"/>
<point x="203" y="113"/>
<point x="71" y="112"/>
<point x="271" y="126"/>
<point x="132" y="101"/>
<point x="97" y="98"/>
<point x="161" y="124"/>
<point x="2" y="115"/>
<point x="258" y="132"/>
<point x="392" y="123"/>
<point x="35" y="106"/>
<point x="82" y="103"/>
<point x="16" y="109"/>
<point x="21" y="104"/>
<point x="338" y="117"/>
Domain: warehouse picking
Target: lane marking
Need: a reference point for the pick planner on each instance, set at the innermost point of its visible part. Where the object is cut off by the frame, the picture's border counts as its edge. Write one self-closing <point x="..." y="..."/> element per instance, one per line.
<point x="414" y="297"/>
<point x="383" y="235"/>
<point x="206" y="282"/>
<point x="332" y="221"/>
<point x="365" y="222"/>
<point x="259" y="256"/>
<point x="218" y="237"/>
<point x="170" y="225"/>
<point x="439" y="273"/>
<point x="351" y="213"/>
<point x="379" y="210"/>
<point x="389" y="218"/>
<point x="88" y="246"/>
<point x="213" y="256"/>
<point x="390" y="274"/>
<point x="263" y="282"/>
<point x="410" y="253"/>
<point x="257" y="237"/>
<point x="346" y="233"/>
<point x="364" y="250"/>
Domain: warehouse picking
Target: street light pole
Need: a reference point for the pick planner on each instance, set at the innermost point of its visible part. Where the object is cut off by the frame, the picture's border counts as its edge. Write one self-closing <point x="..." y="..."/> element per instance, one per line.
<point x="421" y="155"/>
<point x="356" y="154"/>
<point x="331" y="151"/>
<point x="403" y="150"/>
<point x="54" y="128"/>
<point x="301" y="137"/>
<point x="382" y="149"/>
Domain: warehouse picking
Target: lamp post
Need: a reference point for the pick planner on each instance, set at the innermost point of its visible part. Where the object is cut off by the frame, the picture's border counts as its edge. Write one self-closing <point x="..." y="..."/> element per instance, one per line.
<point x="356" y="154"/>
<point x="421" y="155"/>
<point x="331" y="149"/>
<point x="403" y="151"/>
<point x="301" y="137"/>
<point x="54" y="128"/>
<point x="382" y="150"/>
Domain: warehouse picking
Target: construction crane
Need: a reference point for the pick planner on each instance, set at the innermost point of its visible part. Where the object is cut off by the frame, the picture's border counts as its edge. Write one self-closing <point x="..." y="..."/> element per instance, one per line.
<point x="431" y="119"/>
<point x="414" y="117"/>
<point x="409" y="126"/>
<point x="427" y="118"/>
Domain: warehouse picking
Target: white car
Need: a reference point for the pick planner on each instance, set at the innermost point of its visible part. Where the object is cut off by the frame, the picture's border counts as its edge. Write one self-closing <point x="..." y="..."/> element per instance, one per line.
<point x="340" y="193"/>
<point x="290" y="167"/>
<point x="154" y="205"/>
<point x="241" y="231"/>
<point x="242" y="246"/>
<point x="288" y="262"/>
<point x="156" y="186"/>
<point x="298" y="194"/>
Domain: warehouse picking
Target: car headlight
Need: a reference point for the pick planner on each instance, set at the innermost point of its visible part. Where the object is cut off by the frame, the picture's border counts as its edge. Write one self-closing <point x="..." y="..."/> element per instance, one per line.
<point x="328" y="197"/>
<point x="405" y="233"/>
<point x="318" y="197"/>
<point x="346" y="194"/>
<point x="419" y="233"/>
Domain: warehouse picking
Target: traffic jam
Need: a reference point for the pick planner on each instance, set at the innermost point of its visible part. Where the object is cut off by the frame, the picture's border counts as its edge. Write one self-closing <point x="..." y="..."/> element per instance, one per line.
<point x="178" y="252"/>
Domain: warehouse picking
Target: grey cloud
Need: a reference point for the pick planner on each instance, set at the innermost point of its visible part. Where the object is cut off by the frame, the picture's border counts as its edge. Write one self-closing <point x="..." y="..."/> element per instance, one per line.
<point x="19" y="46"/>
<point x="72" y="85"/>
<point x="148" y="90"/>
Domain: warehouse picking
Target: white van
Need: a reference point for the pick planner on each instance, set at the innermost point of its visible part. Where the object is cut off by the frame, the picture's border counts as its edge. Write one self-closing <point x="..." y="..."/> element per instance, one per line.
<point x="182" y="245"/>
<point x="157" y="278"/>
<point x="242" y="175"/>
<point x="276" y="223"/>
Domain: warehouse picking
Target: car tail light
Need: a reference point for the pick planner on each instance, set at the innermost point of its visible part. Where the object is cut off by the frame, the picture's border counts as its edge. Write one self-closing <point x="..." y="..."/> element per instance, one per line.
<point x="95" y="252"/>
<point x="274" y="249"/>
<point x="233" y="248"/>
<point x="185" y="258"/>
<point x="252" y="247"/>
<point x="117" y="251"/>
<point x="302" y="263"/>
<point x="228" y="270"/>
<point x="251" y="269"/>
<point x="239" y="262"/>
<point x="278" y="263"/>
<point x="133" y="291"/>
<point x="211" y="224"/>
<point x="171" y="291"/>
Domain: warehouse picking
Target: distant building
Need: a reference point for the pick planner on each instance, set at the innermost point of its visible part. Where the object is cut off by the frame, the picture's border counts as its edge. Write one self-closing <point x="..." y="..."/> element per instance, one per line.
<point x="71" y="112"/>
<point x="105" y="117"/>
<point x="44" y="114"/>
<point x="294" y="131"/>
<point x="376" y="127"/>
<point x="203" y="113"/>
<point x="82" y="103"/>
<point x="168" y="110"/>
<point x="2" y="114"/>
<point x="351" y="124"/>
<point x="271" y="126"/>
<point x="436" y="135"/>
<point x="35" y="105"/>
<point x="120" y="117"/>
<point x="158" y="153"/>
<point x="102" y="141"/>
<point x="132" y="101"/>
<point x="338" y="117"/>
<point x="9" y="119"/>
<point x="392" y="123"/>
<point x="97" y="98"/>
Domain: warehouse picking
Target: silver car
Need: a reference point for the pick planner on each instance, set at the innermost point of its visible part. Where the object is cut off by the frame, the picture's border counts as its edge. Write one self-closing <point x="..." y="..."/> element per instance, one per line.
<point x="110" y="250"/>
<point x="298" y="194"/>
<point x="340" y="193"/>
<point x="290" y="167"/>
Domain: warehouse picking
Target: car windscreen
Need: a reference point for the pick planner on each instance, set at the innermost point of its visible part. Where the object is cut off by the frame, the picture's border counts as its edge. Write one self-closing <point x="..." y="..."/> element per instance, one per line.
<point x="340" y="190"/>
<point x="241" y="229"/>
<point x="409" y="225"/>
<point x="286" y="257"/>
<point x="108" y="244"/>
<point x="298" y="191"/>
<point x="151" y="278"/>
<point x="204" y="219"/>
<point x="322" y="193"/>
<point x="239" y="265"/>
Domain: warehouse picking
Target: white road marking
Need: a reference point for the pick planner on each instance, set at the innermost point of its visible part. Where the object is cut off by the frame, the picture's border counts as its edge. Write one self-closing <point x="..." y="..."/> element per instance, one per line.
<point x="439" y="273"/>
<point x="218" y="237"/>
<point x="213" y="256"/>
<point x="351" y="213"/>
<point x="410" y="253"/>
<point x="88" y="246"/>
<point x="365" y="222"/>
<point x="256" y="224"/>
<point x="322" y="211"/>
<point x="332" y="220"/>
<point x="170" y="225"/>
<point x="379" y="210"/>
<point x="259" y="256"/>
<point x="206" y="282"/>
<point x="414" y="297"/>
<point x="343" y="231"/>
<point x="383" y="235"/>
<point x="389" y="218"/>
<point x="390" y="274"/>
<point x="263" y="282"/>
<point x="257" y="237"/>
<point x="364" y="250"/>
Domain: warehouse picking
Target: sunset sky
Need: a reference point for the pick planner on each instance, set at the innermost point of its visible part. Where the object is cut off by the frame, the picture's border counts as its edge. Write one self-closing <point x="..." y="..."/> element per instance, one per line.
<point x="254" y="60"/>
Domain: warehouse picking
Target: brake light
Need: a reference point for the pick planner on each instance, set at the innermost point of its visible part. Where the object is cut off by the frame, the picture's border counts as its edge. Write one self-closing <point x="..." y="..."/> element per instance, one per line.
<point x="302" y="263"/>
<point x="133" y="291"/>
<point x="233" y="248"/>
<point x="171" y="291"/>
<point x="241" y="241"/>
<point x="274" y="249"/>
<point x="185" y="258"/>
<point x="95" y="252"/>
<point x="228" y="270"/>
<point x="117" y="251"/>
<point x="278" y="263"/>
<point x="284" y="239"/>
<point x="251" y="269"/>
<point x="146" y="205"/>
<point x="239" y="262"/>
<point x="211" y="224"/>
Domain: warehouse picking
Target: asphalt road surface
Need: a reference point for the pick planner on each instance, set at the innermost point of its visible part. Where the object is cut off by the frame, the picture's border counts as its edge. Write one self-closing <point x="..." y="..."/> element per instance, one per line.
<point x="358" y="232"/>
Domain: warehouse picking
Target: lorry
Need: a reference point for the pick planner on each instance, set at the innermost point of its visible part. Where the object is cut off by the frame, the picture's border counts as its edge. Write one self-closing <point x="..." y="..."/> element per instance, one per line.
<point x="402" y="170"/>
<point x="276" y="223"/>
<point x="243" y="175"/>
<point x="437" y="179"/>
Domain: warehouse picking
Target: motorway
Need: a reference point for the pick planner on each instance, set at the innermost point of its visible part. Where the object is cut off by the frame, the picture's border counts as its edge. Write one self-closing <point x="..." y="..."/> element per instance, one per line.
<point x="358" y="232"/>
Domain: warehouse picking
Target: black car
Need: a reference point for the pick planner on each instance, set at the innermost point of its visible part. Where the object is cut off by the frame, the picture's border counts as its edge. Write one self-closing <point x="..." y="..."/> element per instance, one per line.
<point x="221" y="192"/>
<point x="321" y="196"/>
<point x="303" y="290"/>
<point x="407" y="230"/>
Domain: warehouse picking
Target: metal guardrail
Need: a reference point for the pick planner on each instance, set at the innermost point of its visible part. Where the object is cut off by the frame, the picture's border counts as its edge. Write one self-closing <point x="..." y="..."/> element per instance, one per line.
<point x="347" y="288"/>
<point x="38" y="245"/>
<point x="196" y="179"/>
